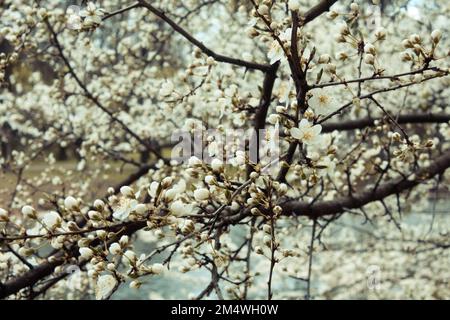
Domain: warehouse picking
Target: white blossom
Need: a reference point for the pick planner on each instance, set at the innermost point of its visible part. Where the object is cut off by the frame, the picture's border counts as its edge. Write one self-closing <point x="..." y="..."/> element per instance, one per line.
<point x="92" y="15"/>
<point x="125" y="207"/>
<point x="105" y="286"/>
<point x="321" y="102"/>
<point x="201" y="194"/>
<point x="115" y="248"/>
<point x="294" y="5"/>
<point x="28" y="211"/>
<point x="86" y="253"/>
<point x="167" y="89"/>
<point x="307" y="132"/>
<point x="70" y="203"/>
<point x="52" y="220"/>
<point x="275" y="52"/>
<point x="127" y="191"/>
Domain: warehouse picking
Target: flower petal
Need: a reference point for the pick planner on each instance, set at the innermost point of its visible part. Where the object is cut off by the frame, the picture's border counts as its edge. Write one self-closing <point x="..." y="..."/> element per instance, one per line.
<point x="296" y="133"/>
<point x="317" y="129"/>
<point x="304" y="124"/>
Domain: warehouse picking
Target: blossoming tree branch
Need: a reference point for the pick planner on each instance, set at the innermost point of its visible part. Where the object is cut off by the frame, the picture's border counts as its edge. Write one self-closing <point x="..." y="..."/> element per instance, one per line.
<point x="309" y="134"/>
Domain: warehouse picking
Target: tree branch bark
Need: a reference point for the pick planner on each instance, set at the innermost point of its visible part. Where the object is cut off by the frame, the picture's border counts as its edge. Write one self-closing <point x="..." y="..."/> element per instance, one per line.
<point x="200" y="45"/>
<point x="43" y="270"/>
<point x="317" y="10"/>
<point x="368" y="122"/>
<point x="358" y="200"/>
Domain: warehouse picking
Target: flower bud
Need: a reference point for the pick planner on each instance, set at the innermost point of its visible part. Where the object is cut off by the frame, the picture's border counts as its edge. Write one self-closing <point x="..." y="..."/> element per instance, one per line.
<point x="273" y="118"/>
<point x="130" y="255"/>
<point x="99" y="204"/>
<point x="294" y="5"/>
<point x="396" y="136"/>
<point x="267" y="241"/>
<point x="71" y="203"/>
<point x="332" y="15"/>
<point x="342" y="56"/>
<point x="72" y="226"/>
<point x="369" y="59"/>
<point x="201" y="194"/>
<point x="124" y="241"/>
<point x="406" y="56"/>
<point x="380" y="34"/>
<point x="344" y="30"/>
<point x="415" y="39"/>
<point x="418" y="77"/>
<point x="166" y="182"/>
<point x="94" y="215"/>
<point x="194" y="161"/>
<point x="216" y="164"/>
<point x="354" y="7"/>
<point x="282" y="189"/>
<point x="4" y="215"/>
<point x="210" y="61"/>
<point x="252" y="32"/>
<point x="29" y="212"/>
<point x="188" y="227"/>
<point x="370" y="48"/>
<point x="52" y="220"/>
<point x="429" y="144"/>
<point x="86" y="253"/>
<point x="135" y="284"/>
<point x="115" y="248"/>
<point x="407" y="44"/>
<point x="331" y="68"/>
<point x="141" y="209"/>
<point x="167" y="89"/>
<point x="210" y="180"/>
<point x="325" y="58"/>
<point x="101" y="234"/>
<point x="127" y="191"/>
<point x="83" y="242"/>
<point x="277" y="210"/>
<point x="280" y="109"/>
<point x="436" y="36"/>
<point x="157" y="268"/>
<point x="26" y="252"/>
<point x="263" y="9"/>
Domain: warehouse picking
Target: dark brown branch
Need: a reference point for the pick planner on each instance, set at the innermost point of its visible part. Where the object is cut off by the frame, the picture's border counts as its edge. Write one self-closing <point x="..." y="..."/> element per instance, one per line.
<point x="269" y="81"/>
<point x="310" y="260"/>
<point x="91" y="97"/>
<point x="383" y="90"/>
<point x="45" y="269"/>
<point x="264" y="104"/>
<point x="368" y="122"/>
<point x="120" y="11"/>
<point x="317" y="10"/>
<point x="218" y="57"/>
<point x="358" y="200"/>
<point x="375" y="77"/>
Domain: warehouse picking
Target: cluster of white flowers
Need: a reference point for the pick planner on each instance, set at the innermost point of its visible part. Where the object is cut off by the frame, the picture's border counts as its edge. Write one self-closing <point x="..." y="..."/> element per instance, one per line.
<point x="86" y="18"/>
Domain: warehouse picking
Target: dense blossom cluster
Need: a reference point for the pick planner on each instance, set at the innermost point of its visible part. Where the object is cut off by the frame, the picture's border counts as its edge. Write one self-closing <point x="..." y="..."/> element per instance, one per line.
<point x="357" y="92"/>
